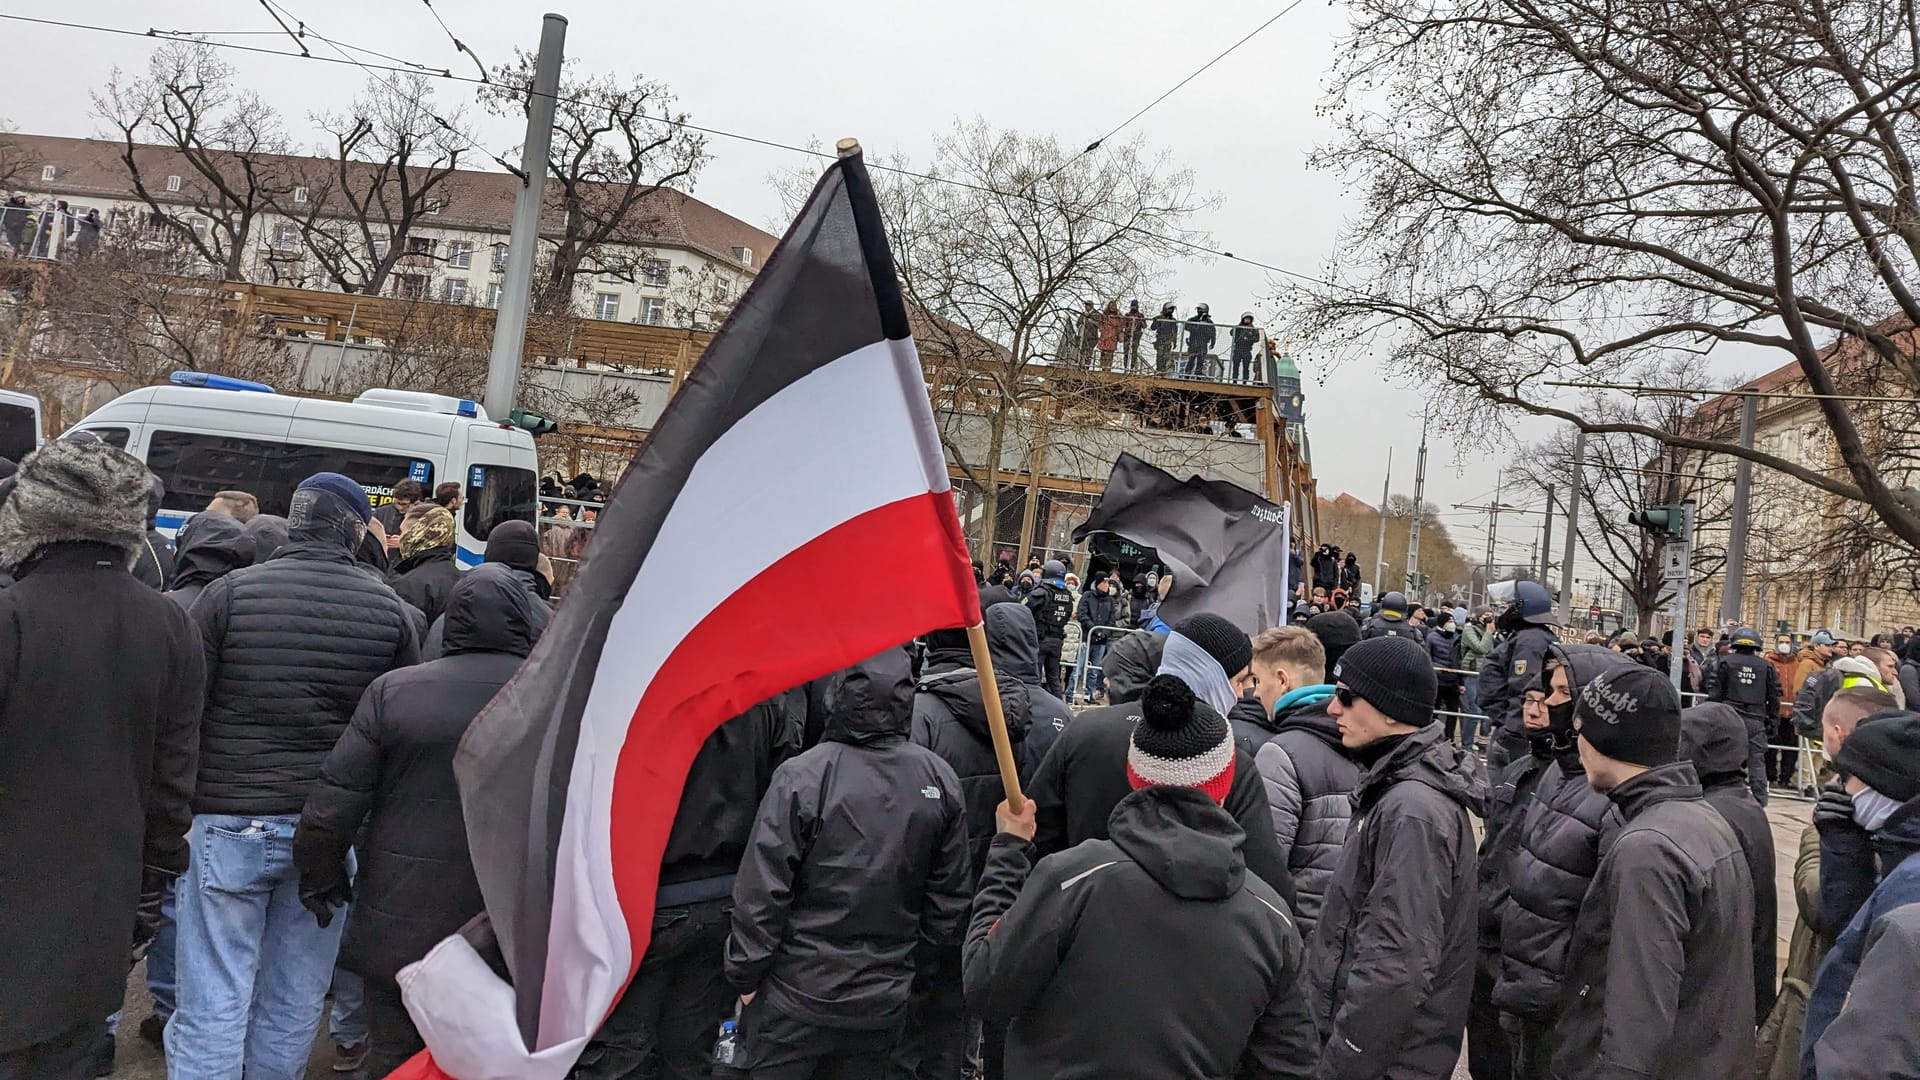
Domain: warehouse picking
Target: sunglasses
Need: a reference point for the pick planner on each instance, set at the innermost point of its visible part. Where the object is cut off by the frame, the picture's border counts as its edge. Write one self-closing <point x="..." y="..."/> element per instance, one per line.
<point x="1345" y="696"/>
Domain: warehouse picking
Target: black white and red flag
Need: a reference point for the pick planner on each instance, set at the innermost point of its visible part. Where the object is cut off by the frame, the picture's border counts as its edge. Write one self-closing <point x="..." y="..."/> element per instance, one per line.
<point x="801" y="444"/>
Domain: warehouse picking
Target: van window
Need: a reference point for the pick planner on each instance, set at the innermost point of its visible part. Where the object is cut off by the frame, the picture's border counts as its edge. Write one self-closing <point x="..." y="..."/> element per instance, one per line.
<point x="497" y="493"/>
<point x="19" y="434"/>
<point x="116" y="437"/>
<point x="196" y="466"/>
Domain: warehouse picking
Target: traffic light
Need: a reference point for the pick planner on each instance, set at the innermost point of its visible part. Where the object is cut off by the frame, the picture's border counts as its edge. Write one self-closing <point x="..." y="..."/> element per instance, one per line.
<point x="1417" y="582"/>
<point x="532" y="423"/>
<point x="1660" y="520"/>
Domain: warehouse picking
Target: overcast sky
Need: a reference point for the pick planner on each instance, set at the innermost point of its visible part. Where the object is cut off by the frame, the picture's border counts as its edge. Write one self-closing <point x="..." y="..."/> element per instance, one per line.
<point x="893" y="75"/>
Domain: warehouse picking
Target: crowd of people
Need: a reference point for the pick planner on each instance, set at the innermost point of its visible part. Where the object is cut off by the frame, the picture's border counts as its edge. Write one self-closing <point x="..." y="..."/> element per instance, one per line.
<point x="1109" y="339"/>
<point x="1264" y="856"/>
<point x="51" y="230"/>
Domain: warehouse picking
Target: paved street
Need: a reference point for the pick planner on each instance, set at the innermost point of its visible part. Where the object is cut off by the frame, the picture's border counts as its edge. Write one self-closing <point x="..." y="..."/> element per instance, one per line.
<point x="139" y="1061"/>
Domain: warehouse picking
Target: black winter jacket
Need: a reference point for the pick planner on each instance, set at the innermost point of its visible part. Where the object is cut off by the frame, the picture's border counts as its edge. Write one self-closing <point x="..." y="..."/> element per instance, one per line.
<point x="1310" y="782"/>
<point x="424" y="579"/>
<point x="1661" y="985"/>
<point x="210" y="547"/>
<point x="1383" y="625"/>
<point x="153" y="563"/>
<point x="1559" y="834"/>
<point x="100" y="696"/>
<point x="1014" y="646"/>
<point x="1150" y="954"/>
<point x="1084" y="777"/>
<point x="290" y="645"/>
<point x="858" y="855"/>
<point x="393" y="771"/>
<point x="433" y="646"/>
<point x="725" y="784"/>
<point x="1052" y="609"/>
<point x="950" y="719"/>
<point x="1096" y="610"/>
<point x="1392" y="957"/>
<point x="1523" y="656"/>
<point x="1444" y="650"/>
<point x="1716" y="740"/>
<point x="1875" y="1036"/>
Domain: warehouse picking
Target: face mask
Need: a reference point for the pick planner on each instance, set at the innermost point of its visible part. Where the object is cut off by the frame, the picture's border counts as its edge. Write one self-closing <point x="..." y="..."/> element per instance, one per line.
<point x="1560" y="717"/>
<point x="1872" y="809"/>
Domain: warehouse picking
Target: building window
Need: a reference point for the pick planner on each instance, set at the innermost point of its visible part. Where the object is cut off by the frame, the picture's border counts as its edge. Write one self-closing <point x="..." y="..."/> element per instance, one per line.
<point x="499" y="258"/>
<point x="653" y="311"/>
<point x="744" y="254"/>
<point x="433" y="207"/>
<point x="654" y="272"/>
<point x="493" y="295"/>
<point x="300" y="195"/>
<point x="379" y="250"/>
<point x="173" y="183"/>
<point x="48" y="172"/>
<point x="606" y="306"/>
<point x="420" y="245"/>
<point x="454" y="290"/>
<point x="286" y="237"/>
<point x="410" y="286"/>
<point x="459" y="253"/>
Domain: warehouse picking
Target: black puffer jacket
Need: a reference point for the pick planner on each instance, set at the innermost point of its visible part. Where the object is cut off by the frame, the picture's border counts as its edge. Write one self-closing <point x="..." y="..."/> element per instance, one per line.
<point x="395" y="762"/>
<point x="1717" y="740"/>
<point x="433" y="646"/>
<point x="1391" y="961"/>
<point x="1310" y="781"/>
<point x="291" y="644"/>
<point x="210" y="546"/>
<point x="858" y="854"/>
<point x="1660" y="983"/>
<point x="1560" y="831"/>
<point x="1014" y="644"/>
<point x="1151" y="954"/>
<point x="950" y="719"/>
<point x="425" y="578"/>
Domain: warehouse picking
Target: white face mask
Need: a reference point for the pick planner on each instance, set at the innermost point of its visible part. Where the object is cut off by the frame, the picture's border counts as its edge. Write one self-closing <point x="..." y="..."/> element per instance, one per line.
<point x="1784" y="648"/>
<point x="1872" y="809"/>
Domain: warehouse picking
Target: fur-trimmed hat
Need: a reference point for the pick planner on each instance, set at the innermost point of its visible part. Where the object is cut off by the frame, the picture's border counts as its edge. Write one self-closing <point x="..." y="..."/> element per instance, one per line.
<point x="75" y="492"/>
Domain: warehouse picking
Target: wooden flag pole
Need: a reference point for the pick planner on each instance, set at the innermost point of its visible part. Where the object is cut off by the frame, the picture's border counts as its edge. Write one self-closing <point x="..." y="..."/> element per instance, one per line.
<point x="996" y="720"/>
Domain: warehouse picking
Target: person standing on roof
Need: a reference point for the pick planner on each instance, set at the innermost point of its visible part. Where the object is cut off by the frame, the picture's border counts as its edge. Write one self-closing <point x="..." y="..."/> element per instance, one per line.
<point x="1200" y="337"/>
<point x="1166" y="336"/>
<point x="1135" y="322"/>
<point x="1245" y="337"/>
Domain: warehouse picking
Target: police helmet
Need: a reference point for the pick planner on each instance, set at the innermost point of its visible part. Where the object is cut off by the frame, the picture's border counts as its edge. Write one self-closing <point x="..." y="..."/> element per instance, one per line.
<point x="1746" y="638"/>
<point x="1535" y="603"/>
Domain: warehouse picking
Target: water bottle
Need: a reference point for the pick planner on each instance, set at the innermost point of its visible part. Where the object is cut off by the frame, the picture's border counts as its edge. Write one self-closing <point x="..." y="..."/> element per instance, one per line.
<point x="725" y="1045"/>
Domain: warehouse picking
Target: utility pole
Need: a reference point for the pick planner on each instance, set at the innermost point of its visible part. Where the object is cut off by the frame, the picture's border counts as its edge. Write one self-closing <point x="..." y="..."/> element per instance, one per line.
<point x="1735" y="579"/>
<point x="523" y="242"/>
<point x="1380" y="550"/>
<point x="1493" y="529"/>
<point x="1546" y="541"/>
<point x="1679" y="567"/>
<point x="1413" y="521"/>
<point x="1573" y="524"/>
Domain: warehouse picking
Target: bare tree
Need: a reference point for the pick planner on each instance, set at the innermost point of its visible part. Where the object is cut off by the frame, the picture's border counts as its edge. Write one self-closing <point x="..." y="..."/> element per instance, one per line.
<point x="1559" y="189"/>
<point x="227" y="142"/>
<point x="1358" y="530"/>
<point x="999" y="239"/>
<point x="1625" y="472"/>
<point x="618" y="148"/>
<point x="15" y="160"/>
<point x="391" y="162"/>
<point x="701" y="299"/>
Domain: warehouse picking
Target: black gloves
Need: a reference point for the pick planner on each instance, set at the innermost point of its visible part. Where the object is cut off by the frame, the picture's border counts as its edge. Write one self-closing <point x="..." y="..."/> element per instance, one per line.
<point x="1834" y="810"/>
<point x="323" y="894"/>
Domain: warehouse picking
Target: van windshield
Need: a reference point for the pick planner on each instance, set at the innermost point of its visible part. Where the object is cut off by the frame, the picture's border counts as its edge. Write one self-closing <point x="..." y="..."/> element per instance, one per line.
<point x="196" y="466"/>
<point x="19" y="434"/>
<point x="497" y="493"/>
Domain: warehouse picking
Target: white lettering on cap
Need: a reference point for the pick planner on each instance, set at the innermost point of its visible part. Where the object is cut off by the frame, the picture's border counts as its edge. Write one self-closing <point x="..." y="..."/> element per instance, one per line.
<point x="1600" y="700"/>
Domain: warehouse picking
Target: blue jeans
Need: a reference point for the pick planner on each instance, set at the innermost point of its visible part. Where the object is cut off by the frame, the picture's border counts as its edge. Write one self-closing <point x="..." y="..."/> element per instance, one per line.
<point x="253" y="964"/>
<point x="160" y="955"/>
<point x="1469" y="702"/>
<point x="1096" y="678"/>
<point x="347" y="1021"/>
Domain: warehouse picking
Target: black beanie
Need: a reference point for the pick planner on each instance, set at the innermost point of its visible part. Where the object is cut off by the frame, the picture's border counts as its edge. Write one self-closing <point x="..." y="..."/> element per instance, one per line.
<point x="1217" y="637"/>
<point x="1337" y="633"/>
<point x="1180" y="741"/>
<point x="515" y="543"/>
<point x="1630" y="713"/>
<point x="1885" y="755"/>
<point x="1394" y="675"/>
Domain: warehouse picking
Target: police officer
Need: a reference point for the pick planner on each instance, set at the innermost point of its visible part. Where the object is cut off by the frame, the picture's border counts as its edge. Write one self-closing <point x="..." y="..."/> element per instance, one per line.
<point x="1052" y="607"/>
<point x="1391" y="620"/>
<point x="1529" y="624"/>
<point x="1751" y="685"/>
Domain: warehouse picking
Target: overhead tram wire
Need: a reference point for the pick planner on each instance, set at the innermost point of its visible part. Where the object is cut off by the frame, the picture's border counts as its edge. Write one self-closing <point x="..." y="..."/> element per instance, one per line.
<point x="413" y="67"/>
<point x="458" y="45"/>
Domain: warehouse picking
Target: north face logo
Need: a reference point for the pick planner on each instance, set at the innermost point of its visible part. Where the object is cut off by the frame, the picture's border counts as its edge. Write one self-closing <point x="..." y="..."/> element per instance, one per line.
<point x="930" y="791"/>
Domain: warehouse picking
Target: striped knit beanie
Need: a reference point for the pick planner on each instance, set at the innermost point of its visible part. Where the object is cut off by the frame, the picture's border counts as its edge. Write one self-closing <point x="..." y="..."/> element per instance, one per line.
<point x="1180" y="741"/>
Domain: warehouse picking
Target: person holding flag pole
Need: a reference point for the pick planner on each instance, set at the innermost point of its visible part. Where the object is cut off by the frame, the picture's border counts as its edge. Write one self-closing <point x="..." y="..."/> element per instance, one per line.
<point x="570" y="777"/>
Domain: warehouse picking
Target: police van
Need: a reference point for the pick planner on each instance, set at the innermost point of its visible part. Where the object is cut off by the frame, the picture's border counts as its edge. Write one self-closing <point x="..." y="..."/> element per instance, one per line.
<point x="19" y="424"/>
<point x="207" y="433"/>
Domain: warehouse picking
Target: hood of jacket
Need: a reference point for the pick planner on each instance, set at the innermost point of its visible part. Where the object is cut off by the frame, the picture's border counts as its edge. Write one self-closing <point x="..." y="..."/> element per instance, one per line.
<point x="1715" y="737"/>
<point x="1182" y="839"/>
<point x="870" y="702"/>
<point x="1427" y="757"/>
<point x="421" y="558"/>
<point x="491" y="610"/>
<point x="959" y="691"/>
<point x="1641" y="791"/>
<point x="1305" y="710"/>
<point x="1131" y="663"/>
<point x="269" y="535"/>
<point x="1013" y="640"/>
<point x="207" y="547"/>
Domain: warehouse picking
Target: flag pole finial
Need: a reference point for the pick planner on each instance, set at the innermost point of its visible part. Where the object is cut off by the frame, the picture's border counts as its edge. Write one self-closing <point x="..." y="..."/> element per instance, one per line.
<point x="847" y="147"/>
